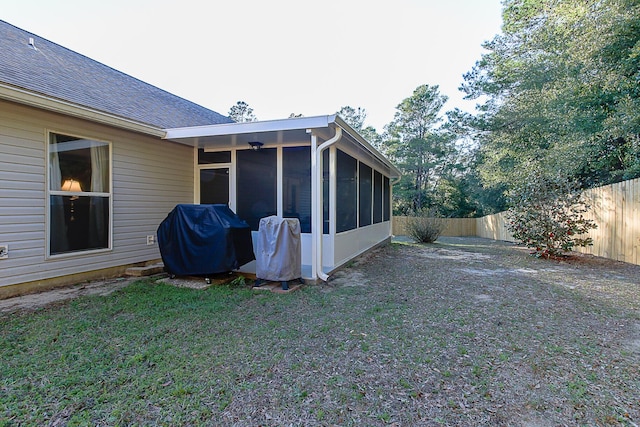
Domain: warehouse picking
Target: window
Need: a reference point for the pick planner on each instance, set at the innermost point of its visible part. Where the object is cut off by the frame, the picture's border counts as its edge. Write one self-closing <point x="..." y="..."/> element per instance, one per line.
<point x="256" y="189"/>
<point x="377" y="197"/>
<point x="296" y="182"/>
<point x="347" y="192"/>
<point x="366" y="185"/>
<point x="79" y="194"/>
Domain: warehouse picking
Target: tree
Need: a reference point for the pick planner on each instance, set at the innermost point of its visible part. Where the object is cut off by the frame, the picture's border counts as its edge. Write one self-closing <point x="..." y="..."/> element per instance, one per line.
<point x="354" y="117"/>
<point x="420" y="148"/>
<point x="241" y="112"/>
<point x="561" y="90"/>
<point x="462" y="192"/>
<point x="373" y="137"/>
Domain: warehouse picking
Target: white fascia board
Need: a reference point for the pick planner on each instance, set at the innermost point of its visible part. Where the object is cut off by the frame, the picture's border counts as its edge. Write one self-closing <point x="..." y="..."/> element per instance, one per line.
<point x="296" y="123"/>
<point x="395" y="172"/>
<point x="33" y="99"/>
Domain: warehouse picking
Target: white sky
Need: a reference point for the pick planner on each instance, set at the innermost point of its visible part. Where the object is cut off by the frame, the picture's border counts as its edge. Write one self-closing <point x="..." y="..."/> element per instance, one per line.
<point x="279" y="56"/>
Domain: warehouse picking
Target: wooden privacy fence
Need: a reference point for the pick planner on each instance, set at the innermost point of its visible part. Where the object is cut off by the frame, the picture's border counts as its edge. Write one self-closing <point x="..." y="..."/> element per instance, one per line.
<point x="491" y="227"/>
<point x="615" y="208"/>
<point x="453" y="227"/>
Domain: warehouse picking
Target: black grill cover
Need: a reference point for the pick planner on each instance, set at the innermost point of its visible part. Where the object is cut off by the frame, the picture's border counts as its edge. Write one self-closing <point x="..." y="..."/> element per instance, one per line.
<point x="204" y="239"/>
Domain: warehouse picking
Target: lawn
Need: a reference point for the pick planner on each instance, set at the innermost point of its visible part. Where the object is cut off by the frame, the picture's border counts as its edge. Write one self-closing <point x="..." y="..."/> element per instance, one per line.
<point x="463" y="332"/>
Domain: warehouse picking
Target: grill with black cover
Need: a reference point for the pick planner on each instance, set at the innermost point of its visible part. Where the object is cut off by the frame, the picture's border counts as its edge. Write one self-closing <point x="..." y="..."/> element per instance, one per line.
<point x="203" y="240"/>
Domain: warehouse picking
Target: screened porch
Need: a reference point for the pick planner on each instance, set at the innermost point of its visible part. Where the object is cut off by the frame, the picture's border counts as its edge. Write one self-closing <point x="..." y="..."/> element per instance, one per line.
<point x="315" y="169"/>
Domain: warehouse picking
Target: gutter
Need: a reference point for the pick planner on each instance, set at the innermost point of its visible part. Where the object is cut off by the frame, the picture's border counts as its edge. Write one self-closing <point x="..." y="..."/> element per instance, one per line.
<point x="319" y="234"/>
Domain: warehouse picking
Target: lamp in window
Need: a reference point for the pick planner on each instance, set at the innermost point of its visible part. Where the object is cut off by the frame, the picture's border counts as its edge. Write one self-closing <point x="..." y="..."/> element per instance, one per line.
<point x="255" y="145"/>
<point x="71" y="185"/>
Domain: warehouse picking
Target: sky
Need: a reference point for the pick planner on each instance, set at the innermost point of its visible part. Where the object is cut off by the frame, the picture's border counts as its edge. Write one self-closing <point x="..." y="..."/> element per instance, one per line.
<point x="279" y="56"/>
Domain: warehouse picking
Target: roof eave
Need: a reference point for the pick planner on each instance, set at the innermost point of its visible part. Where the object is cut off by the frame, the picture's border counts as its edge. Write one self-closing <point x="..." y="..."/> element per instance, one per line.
<point x="37" y="100"/>
<point x="315" y="122"/>
<point x="296" y="123"/>
<point x="394" y="171"/>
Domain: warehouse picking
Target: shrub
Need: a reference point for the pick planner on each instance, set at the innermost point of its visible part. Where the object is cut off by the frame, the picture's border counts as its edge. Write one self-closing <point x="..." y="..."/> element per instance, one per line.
<point x="424" y="226"/>
<point x="547" y="216"/>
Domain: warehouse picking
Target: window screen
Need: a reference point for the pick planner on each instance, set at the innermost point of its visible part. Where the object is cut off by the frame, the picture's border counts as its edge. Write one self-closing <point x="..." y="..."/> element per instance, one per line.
<point x="325" y="192"/>
<point x="347" y="192"/>
<point x="256" y="185"/>
<point x="205" y="158"/>
<point x="387" y="199"/>
<point x="366" y="185"/>
<point x="377" y="197"/>
<point x="296" y="182"/>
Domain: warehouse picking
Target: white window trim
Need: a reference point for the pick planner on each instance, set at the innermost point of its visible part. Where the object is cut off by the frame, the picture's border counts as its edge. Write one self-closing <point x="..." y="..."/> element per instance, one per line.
<point x="49" y="193"/>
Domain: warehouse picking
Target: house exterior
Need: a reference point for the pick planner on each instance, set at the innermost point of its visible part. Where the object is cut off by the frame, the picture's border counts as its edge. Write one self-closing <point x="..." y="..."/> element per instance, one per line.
<point x="92" y="160"/>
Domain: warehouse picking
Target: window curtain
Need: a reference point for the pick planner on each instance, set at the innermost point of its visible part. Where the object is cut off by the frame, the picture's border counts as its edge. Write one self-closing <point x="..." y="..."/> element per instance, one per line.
<point x="59" y="241"/>
<point x="97" y="206"/>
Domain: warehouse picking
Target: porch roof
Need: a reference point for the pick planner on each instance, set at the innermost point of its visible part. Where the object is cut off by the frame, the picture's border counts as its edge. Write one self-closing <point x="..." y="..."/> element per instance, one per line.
<point x="275" y="132"/>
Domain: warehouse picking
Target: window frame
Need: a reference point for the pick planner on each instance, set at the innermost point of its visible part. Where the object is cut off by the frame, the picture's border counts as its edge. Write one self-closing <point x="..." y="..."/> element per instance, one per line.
<point x="49" y="192"/>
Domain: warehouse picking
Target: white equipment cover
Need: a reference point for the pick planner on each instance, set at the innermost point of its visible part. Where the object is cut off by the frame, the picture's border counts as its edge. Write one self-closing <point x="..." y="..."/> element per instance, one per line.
<point x="278" y="249"/>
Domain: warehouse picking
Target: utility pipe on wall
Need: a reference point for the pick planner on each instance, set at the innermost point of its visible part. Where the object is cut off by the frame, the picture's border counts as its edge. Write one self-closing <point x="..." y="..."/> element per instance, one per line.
<point x="319" y="234"/>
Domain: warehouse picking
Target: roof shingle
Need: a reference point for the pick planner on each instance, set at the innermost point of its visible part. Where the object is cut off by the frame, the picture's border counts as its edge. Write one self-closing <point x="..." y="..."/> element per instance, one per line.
<point x="55" y="71"/>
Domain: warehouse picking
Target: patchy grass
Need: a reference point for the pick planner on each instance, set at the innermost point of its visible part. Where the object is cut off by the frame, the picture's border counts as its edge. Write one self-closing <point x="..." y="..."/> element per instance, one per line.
<point x="463" y="332"/>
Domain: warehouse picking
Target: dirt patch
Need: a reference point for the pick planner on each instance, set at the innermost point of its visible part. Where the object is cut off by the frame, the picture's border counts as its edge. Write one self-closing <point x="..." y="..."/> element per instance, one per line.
<point x="483" y="298"/>
<point x="349" y="277"/>
<point x="198" y="282"/>
<point x="105" y="287"/>
<point x="449" y="254"/>
<point x="633" y="344"/>
<point x="41" y="299"/>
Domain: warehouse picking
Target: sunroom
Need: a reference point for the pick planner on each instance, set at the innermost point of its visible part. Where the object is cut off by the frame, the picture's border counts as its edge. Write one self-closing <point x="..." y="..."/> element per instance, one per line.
<point x="317" y="169"/>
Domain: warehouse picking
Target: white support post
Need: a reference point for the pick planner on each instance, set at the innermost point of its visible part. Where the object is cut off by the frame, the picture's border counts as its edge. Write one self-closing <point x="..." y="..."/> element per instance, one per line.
<point x="279" y="181"/>
<point x="314" y="205"/>
<point x="333" y="191"/>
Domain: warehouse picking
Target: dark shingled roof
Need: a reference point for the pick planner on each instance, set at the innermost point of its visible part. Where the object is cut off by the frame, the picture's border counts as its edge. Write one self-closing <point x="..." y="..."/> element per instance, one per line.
<point x="57" y="72"/>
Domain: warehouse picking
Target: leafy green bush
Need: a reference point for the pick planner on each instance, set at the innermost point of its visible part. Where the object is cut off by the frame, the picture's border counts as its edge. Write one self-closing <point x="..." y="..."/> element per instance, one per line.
<point x="547" y="215"/>
<point x="424" y="226"/>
